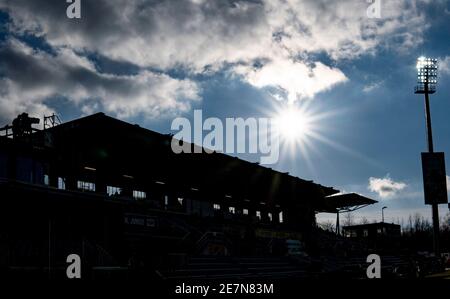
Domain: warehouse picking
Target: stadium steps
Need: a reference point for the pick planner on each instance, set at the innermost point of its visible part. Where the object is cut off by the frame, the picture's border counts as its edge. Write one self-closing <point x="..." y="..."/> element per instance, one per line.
<point x="213" y="267"/>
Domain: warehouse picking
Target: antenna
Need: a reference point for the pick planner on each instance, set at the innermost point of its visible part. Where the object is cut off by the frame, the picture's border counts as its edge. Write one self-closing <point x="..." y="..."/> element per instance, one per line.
<point x="51" y="121"/>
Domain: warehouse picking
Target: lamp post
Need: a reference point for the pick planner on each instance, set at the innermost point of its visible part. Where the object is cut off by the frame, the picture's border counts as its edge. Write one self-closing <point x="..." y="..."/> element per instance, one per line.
<point x="382" y="214"/>
<point x="427" y="80"/>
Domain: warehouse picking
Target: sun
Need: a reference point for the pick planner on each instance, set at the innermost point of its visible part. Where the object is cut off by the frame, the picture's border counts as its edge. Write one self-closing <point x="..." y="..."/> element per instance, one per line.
<point x="293" y="124"/>
<point x="296" y="125"/>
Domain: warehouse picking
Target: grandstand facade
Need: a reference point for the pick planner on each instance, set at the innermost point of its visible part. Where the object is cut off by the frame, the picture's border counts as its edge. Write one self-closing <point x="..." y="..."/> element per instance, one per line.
<point x="116" y="194"/>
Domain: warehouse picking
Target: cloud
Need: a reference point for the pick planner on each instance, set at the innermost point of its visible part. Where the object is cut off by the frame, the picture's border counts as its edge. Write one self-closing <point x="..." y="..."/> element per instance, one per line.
<point x="372" y="86"/>
<point x="31" y="76"/>
<point x="385" y="187"/>
<point x="448" y="183"/>
<point x="444" y="65"/>
<point x="296" y="78"/>
<point x="201" y="33"/>
<point x="266" y="43"/>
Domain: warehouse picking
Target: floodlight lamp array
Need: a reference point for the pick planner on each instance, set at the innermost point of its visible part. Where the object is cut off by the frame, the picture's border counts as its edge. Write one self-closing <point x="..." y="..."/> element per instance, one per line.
<point x="426" y="75"/>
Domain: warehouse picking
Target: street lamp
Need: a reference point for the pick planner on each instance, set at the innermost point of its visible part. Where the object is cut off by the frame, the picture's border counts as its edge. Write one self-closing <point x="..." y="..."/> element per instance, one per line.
<point x="433" y="164"/>
<point x="382" y="214"/>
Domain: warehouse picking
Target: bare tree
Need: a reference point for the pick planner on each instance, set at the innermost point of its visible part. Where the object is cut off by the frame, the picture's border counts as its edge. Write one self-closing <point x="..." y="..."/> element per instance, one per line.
<point x="445" y="222"/>
<point x="327" y="226"/>
<point x="410" y="224"/>
<point x="349" y="219"/>
<point x="420" y="224"/>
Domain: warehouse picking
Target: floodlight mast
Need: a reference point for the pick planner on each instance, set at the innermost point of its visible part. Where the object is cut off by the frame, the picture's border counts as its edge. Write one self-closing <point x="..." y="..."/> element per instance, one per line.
<point x="426" y="84"/>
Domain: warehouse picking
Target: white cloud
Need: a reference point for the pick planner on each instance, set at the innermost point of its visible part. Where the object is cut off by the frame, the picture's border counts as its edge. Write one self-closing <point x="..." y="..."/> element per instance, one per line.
<point x="444" y="65"/>
<point x="296" y="78"/>
<point x="198" y="34"/>
<point x="342" y="28"/>
<point x="385" y="187"/>
<point x="372" y="86"/>
<point x="448" y="183"/>
<point x="279" y="37"/>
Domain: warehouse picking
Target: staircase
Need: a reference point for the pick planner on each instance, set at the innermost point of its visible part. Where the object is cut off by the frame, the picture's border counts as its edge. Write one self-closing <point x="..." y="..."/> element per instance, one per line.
<point x="223" y="267"/>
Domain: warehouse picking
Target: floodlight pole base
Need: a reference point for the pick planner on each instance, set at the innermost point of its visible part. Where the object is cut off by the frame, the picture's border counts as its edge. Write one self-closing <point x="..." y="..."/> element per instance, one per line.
<point x="338" y="227"/>
<point x="436" y="245"/>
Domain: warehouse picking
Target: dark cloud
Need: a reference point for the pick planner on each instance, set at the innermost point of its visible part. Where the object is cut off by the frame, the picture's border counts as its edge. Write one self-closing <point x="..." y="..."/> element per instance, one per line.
<point x="30" y="76"/>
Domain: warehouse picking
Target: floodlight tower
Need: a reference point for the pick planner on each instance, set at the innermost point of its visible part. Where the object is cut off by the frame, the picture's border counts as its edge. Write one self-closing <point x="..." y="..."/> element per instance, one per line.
<point x="426" y="84"/>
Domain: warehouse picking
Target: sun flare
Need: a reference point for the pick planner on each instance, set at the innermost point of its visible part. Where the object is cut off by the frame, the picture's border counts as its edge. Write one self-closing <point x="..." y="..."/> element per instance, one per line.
<point x="293" y="124"/>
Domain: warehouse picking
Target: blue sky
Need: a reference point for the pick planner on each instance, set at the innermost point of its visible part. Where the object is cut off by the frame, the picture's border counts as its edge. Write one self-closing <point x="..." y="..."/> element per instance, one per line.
<point x="148" y="62"/>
